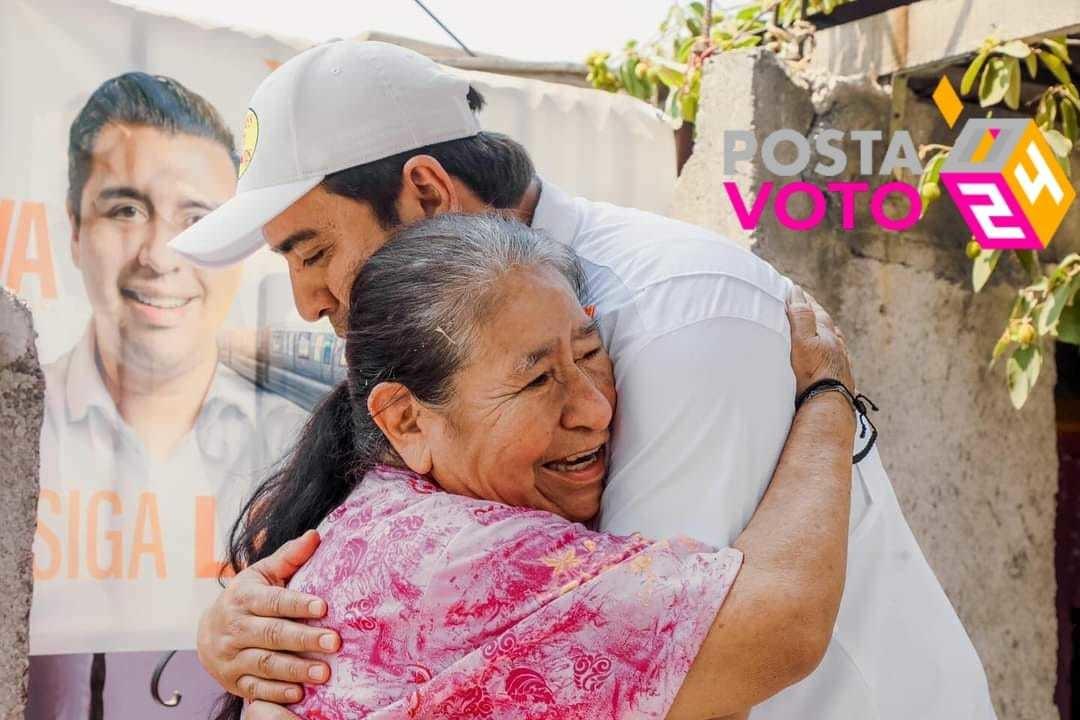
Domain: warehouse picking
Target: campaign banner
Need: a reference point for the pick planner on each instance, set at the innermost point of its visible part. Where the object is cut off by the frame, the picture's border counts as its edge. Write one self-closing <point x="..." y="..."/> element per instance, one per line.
<point x="156" y="429"/>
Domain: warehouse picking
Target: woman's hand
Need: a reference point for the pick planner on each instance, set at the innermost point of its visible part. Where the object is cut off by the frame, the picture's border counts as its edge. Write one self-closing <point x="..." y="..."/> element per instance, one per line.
<point x="818" y="350"/>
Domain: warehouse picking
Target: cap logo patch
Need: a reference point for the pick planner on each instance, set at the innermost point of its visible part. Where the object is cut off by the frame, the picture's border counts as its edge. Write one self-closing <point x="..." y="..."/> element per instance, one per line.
<point x="251" y="137"/>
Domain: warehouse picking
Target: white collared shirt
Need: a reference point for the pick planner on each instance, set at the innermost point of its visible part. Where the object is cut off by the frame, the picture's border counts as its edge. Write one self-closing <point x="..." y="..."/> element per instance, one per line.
<point x="697" y="329"/>
<point x="93" y="467"/>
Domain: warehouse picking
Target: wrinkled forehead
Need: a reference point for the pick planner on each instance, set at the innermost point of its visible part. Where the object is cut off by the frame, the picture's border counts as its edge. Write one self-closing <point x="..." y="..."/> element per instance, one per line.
<point x="530" y="313"/>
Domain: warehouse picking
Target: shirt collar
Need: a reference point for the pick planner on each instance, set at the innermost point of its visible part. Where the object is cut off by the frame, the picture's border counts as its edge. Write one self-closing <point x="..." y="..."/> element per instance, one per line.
<point x="556" y="214"/>
<point x="86" y="389"/>
<point x="229" y="390"/>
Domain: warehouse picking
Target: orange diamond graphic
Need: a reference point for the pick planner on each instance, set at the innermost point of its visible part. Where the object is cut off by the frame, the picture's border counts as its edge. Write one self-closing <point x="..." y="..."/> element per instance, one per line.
<point x="947" y="101"/>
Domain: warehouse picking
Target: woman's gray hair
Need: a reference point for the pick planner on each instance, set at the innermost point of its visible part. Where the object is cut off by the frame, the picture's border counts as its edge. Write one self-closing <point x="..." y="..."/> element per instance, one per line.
<point x="418" y="302"/>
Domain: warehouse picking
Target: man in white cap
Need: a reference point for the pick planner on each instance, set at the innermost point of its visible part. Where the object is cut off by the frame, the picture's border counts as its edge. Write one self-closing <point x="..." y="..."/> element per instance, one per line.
<point x="349" y="140"/>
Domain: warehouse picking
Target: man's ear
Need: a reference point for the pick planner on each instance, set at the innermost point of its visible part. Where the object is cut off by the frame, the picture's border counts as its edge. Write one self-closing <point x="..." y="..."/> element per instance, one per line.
<point x="74" y="236"/>
<point x="426" y="190"/>
<point x="396" y="412"/>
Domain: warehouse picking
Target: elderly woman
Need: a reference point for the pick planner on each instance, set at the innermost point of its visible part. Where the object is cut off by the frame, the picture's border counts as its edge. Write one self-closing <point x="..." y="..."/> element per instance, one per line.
<point x="450" y="476"/>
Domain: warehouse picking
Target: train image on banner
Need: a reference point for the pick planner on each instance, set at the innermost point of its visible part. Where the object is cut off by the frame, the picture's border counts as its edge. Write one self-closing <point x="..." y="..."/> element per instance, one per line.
<point x="299" y="365"/>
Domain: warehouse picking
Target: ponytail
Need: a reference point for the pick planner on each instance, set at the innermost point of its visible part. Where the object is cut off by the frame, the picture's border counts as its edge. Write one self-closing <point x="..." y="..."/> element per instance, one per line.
<point x="317" y="477"/>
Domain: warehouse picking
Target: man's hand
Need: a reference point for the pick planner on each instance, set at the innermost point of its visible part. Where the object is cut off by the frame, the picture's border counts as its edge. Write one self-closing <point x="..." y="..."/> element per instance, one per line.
<point x="240" y="632"/>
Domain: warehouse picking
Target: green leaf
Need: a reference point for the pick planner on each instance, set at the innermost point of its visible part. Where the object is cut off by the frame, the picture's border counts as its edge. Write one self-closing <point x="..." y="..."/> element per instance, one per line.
<point x="1057" y="46"/>
<point x="1032" y="63"/>
<point x="1072" y="93"/>
<point x="1014" y="48"/>
<point x="973" y="72"/>
<point x="746" y="42"/>
<point x="1012" y="96"/>
<point x="1068" y="327"/>
<point x="933" y="168"/>
<point x="688" y="107"/>
<point x="670" y="73"/>
<point x="1061" y="145"/>
<point x="694" y="26"/>
<point x="1069" y="126"/>
<point x="750" y="12"/>
<point x="698" y="9"/>
<point x="1054" y="64"/>
<point x="1046" y="113"/>
<point x="1003" y="344"/>
<point x="982" y="267"/>
<point x="1051" y="310"/>
<point x="1030" y="262"/>
<point x="626" y="75"/>
<point x="683" y="53"/>
<point x="929" y="190"/>
<point x="995" y="82"/>
<point x="1021" y="373"/>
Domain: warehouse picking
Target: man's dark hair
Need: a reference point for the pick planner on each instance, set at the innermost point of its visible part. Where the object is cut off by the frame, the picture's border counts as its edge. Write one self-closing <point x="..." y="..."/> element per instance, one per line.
<point x="496" y="168"/>
<point x="136" y="98"/>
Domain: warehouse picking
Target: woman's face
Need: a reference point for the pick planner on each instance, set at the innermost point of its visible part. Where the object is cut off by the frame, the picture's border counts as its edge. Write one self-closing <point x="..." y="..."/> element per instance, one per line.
<point x="531" y="414"/>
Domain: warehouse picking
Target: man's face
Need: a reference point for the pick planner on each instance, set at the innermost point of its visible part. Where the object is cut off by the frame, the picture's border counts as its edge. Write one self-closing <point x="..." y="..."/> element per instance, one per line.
<point x="152" y="310"/>
<point x="325" y="238"/>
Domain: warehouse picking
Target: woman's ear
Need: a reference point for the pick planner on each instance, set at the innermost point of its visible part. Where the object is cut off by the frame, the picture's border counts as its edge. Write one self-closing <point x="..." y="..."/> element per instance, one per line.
<point x="426" y="190"/>
<point x="396" y="413"/>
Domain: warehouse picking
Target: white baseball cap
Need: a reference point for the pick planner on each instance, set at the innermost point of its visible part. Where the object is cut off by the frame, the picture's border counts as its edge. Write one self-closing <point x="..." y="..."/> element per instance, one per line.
<point x="333" y="106"/>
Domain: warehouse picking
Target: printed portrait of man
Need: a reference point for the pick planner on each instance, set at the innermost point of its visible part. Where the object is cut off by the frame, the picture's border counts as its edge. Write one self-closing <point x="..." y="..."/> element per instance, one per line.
<point x="150" y="444"/>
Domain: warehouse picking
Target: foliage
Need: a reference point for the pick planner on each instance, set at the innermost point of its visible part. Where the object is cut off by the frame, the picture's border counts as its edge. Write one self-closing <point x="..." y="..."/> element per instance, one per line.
<point x="1043" y="310"/>
<point x="666" y="69"/>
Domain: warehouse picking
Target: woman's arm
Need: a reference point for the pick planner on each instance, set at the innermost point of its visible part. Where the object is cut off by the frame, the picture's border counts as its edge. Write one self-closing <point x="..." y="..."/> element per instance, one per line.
<point x="776" y="623"/>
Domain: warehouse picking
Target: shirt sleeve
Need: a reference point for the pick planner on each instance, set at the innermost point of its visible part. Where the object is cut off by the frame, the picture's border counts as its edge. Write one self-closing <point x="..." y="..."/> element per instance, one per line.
<point x="703" y="414"/>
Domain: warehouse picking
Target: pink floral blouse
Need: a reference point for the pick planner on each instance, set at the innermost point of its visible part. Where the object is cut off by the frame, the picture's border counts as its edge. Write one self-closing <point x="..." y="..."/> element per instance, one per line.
<point x="451" y="607"/>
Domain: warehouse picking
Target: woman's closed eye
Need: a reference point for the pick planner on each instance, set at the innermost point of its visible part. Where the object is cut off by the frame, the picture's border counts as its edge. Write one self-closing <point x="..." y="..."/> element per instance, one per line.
<point x="539" y="381"/>
<point x="590" y="355"/>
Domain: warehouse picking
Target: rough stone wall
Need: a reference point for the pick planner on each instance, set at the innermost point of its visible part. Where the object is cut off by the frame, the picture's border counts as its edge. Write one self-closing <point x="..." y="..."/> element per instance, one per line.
<point x="977" y="479"/>
<point x="22" y="391"/>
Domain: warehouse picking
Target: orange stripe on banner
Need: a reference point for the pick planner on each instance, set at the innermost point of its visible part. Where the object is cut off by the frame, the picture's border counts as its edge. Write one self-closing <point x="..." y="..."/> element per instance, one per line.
<point x="147" y="523"/>
<point x="48" y="571"/>
<point x="7" y="210"/>
<point x="983" y="149"/>
<point x="32" y="222"/>
<point x="206" y="565"/>
<point x="113" y="537"/>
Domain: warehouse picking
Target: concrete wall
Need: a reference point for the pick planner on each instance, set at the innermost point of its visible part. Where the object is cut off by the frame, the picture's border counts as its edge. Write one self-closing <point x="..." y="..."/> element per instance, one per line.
<point x="22" y="391"/>
<point x="976" y="478"/>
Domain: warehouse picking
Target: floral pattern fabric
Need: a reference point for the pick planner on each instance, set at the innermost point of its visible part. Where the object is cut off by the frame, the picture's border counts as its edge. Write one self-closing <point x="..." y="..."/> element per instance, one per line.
<point x="452" y="607"/>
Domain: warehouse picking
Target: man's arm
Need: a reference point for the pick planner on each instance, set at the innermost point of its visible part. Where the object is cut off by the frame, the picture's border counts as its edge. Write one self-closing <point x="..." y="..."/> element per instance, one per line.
<point x="702" y="418"/>
<point x="239" y="633"/>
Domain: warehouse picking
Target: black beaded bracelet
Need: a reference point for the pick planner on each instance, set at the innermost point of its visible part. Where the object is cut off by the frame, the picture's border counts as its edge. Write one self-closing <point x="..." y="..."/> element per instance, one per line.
<point x="858" y="404"/>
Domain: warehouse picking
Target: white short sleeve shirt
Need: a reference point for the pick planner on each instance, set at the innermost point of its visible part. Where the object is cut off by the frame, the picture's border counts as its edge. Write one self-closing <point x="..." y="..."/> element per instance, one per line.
<point x="697" y="329"/>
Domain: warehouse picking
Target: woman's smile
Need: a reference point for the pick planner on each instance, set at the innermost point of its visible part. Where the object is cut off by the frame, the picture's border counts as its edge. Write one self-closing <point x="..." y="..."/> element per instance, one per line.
<point x="584" y="468"/>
